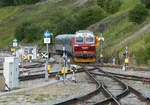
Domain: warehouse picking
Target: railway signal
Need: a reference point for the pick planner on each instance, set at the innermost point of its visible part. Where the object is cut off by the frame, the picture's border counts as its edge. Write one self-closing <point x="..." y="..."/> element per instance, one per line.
<point x="15" y="44"/>
<point x="101" y="28"/>
<point x="47" y="40"/>
<point x="64" y="68"/>
<point x="126" y="59"/>
<point x="101" y="39"/>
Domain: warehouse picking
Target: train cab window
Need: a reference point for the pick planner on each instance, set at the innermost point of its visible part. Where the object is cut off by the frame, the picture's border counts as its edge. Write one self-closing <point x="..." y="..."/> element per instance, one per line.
<point x="79" y="39"/>
<point x="89" y="40"/>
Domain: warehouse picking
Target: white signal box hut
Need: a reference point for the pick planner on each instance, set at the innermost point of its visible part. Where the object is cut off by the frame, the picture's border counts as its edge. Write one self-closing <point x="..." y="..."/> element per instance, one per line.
<point x="27" y="50"/>
<point x="11" y="72"/>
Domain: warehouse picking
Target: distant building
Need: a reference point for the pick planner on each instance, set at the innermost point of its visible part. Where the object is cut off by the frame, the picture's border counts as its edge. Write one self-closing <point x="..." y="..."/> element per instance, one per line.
<point x="28" y="51"/>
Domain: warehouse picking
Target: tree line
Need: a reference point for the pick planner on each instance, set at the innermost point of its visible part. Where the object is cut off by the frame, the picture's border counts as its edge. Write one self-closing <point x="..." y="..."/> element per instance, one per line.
<point x="16" y="2"/>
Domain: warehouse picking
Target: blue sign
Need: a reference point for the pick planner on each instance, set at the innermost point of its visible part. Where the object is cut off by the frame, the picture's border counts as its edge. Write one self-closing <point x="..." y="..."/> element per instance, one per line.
<point x="15" y="40"/>
<point x="47" y="34"/>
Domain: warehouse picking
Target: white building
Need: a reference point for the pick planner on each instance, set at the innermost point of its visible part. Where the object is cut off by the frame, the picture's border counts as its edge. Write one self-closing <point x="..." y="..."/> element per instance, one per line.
<point x="27" y="50"/>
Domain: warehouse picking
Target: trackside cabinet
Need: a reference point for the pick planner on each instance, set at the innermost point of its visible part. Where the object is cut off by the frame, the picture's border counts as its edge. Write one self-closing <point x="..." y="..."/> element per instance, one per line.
<point x="11" y="72"/>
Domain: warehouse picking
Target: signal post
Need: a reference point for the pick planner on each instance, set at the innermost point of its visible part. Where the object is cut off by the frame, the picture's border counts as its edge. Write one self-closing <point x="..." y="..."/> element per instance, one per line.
<point x="126" y="59"/>
<point x="101" y="39"/>
<point x="47" y="40"/>
<point x="64" y="67"/>
<point x="15" y="44"/>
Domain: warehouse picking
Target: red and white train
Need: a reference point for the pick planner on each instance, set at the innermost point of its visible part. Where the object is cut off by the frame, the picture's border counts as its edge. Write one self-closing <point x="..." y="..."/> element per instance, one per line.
<point x="81" y="45"/>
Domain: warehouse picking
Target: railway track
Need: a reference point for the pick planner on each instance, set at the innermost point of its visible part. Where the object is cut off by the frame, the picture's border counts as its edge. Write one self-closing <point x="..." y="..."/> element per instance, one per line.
<point x="125" y="76"/>
<point x="101" y="87"/>
<point x="41" y="74"/>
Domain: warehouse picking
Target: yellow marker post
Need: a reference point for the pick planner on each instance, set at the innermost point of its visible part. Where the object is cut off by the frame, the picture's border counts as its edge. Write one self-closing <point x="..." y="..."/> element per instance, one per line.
<point x="26" y="57"/>
<point x="126" y="60"/>
<point x="12" y="49"/>
<point x="49" y="67"/>
<point x="62" y="70"/>
<point x="101" y="55"/>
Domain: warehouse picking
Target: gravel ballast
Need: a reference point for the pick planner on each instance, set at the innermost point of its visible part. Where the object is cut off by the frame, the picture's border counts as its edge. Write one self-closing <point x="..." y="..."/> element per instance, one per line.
<point x="50" y="94"/>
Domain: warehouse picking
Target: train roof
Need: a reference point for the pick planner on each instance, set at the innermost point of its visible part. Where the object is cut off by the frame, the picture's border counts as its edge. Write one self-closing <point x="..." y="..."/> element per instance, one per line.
<point x="84" y="31"/>
<point x="66" y="36"/>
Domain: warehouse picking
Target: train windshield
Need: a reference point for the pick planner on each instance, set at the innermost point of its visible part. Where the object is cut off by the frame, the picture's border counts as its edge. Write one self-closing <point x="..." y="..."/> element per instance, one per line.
<point x="79" y="39"/>
<point x="89" y="40"/>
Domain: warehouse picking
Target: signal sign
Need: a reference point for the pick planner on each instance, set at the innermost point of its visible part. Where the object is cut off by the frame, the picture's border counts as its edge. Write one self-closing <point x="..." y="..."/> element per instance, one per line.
<point x="101" y="28"/>
<point x="47" y="37"/>
<point x="15" y="42"/>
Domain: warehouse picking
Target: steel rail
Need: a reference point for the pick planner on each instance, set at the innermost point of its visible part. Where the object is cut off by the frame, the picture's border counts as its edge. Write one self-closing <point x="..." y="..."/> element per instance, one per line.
<point x="118" y="97"/>
<point x="83" y="97"/>
<point x="141" y="96"/>
<point x="129" y="77"/>
<point x="101" y="87"/>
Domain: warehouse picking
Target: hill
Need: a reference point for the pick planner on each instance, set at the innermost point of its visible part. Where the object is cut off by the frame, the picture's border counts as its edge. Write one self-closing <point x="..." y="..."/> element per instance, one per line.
<point x="51" y="15"/>
<point x="57" y="14"/>
<point x="40" y="14"/>
<point x="119" y="32"/>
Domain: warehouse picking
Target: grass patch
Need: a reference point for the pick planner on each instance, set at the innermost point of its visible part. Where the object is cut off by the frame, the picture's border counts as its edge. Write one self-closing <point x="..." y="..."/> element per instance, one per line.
<point x="128" y="4"/>
<point x="40" y="15"/>
<point x="3" y="101"/>
<point x="41" y="97"/>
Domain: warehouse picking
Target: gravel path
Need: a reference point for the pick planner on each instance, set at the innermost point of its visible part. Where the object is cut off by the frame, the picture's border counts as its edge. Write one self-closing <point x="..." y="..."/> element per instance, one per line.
<point x="139" y="32"/>
<point x="49" y="94"/>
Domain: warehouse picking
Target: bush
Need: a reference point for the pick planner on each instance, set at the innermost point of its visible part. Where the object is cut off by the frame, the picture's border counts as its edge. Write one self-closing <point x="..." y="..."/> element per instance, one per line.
<point x="147" y="56"/>
<point x="20" y="2"/>
<point x="110" y="6"/>
<point x="138" y="14"/>
<point x="79" y="21"/>
<point x="101" y="3"/>
<point x="68" y="25"/>
<point x="17" y="2"/>
<point x="28" y="33"/>
<point x="89" y="16"/>
<point x="146" y="2"/>
<point x="142" y="55"/>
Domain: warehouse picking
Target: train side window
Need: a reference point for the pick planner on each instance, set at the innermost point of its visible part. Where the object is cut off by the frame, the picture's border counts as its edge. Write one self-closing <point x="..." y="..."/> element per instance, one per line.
<point x="79" y="39"/>
<point x="89" y="40"/>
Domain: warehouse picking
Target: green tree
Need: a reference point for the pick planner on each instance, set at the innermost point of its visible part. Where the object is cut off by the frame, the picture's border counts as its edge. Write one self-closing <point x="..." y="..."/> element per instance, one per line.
<point x="28" y="33"/>
<point x="110" y="6"/>
<point x="89" y="16"/>
<point x="6" y="2"/>
<point x="20" y="32"/>
<point x="146" y="2"/>
<point x="101" y="3"/>
<point x="68" y="25"/>
<point x="17" y="2"/>
<point x="138" y="14"/>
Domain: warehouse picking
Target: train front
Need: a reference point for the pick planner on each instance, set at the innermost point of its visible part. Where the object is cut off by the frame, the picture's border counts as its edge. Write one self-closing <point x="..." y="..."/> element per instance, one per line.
<point x="84" y="49"/>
